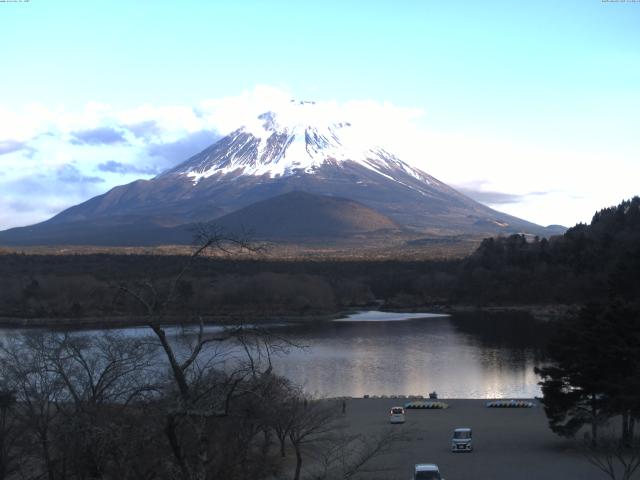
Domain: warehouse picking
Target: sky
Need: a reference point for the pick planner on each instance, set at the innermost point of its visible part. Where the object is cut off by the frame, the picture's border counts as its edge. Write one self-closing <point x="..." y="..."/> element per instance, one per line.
<point x="529" y="107"/>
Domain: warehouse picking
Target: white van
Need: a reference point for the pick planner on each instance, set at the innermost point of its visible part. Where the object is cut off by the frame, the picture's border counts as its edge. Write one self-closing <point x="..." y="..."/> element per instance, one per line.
<point x="462" y="440"/>
<point x="427" y="471"/>
<point x="396" y="415"/>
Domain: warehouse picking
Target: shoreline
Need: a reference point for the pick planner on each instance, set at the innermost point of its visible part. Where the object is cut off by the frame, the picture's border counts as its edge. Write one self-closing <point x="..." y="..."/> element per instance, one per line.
<point x="109" y="323"/>
<point x="541" y="312"/>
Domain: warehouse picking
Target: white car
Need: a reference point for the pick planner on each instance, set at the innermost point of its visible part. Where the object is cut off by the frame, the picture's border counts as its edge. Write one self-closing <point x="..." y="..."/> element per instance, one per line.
<point x="462" y="440"/>
<point x="427" y="471"/>
<point x="396" y="415"/>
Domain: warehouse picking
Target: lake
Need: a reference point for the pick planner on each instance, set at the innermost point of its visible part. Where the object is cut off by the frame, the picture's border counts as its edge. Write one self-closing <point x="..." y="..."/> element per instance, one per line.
<point x="459" y="356"/>
<point x="387" y="353"/>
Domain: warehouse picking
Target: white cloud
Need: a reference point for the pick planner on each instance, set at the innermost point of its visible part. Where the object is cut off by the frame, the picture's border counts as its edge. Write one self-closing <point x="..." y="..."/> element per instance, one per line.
<point x="576" y="180"/>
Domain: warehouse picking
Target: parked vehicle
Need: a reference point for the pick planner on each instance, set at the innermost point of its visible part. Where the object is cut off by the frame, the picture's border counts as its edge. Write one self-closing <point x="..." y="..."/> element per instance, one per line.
<point x="427" y="471"/>
<point x="396" y="415"/>
<point x="462" y="440"/>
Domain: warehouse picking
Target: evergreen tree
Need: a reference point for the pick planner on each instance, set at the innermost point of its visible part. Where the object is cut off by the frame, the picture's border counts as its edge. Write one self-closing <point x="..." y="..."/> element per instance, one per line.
<point x="573" y="387"/>
<point x="595" y="371"/>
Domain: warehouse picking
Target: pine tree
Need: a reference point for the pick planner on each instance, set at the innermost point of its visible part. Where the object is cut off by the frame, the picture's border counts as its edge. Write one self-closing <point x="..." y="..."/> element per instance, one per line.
<point x="595" y="371"/>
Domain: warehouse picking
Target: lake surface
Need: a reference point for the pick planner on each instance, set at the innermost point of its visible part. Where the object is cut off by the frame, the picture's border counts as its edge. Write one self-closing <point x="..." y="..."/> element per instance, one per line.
<point x="462" y="356"/>
<point x="386" y="353"/>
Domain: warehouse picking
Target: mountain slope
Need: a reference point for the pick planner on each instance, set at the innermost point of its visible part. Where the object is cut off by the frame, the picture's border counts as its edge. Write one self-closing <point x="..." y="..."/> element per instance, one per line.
<point x="297" y="149"/>
<point x="298" y="215"/>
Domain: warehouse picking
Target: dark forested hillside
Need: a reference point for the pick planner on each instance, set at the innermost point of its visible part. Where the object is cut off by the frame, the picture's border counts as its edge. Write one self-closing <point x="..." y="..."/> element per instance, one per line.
<point x="589" y="263"/>
<point x="75" y="286"/>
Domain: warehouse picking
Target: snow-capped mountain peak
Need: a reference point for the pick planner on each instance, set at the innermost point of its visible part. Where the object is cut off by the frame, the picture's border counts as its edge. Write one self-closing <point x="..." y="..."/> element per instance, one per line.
<point x="299" y="137"/>
<point x="306" y="160"/>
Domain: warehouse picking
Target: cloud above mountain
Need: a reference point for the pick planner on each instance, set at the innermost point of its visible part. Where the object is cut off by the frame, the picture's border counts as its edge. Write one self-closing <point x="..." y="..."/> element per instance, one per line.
<point x="120" y="168"/>
<point x="58" y="158"/>
<point x="10" y="146"/>
<point x="479" y="192"/>
<point x="98" y="136"/>
<point x="70" y="174"/>
<point x="168" y="153"/>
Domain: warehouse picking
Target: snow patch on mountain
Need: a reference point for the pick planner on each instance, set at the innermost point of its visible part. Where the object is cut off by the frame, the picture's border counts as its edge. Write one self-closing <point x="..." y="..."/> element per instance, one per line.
<point x="299" y="137"/>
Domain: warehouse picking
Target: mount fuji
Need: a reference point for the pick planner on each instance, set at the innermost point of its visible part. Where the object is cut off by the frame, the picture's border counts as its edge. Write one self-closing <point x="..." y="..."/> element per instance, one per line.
<point x="236" y="180"/>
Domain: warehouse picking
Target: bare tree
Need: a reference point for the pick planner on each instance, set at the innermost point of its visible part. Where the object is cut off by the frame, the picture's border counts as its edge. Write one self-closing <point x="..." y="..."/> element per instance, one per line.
<point x="618" y="460"/>
<point x="311" y="422"/>
<point x="103" y="375"/>
<point x="9" y="435"/>
<point x="108" y="368"/>
<point x="344" y="456"/>
<point x="156" y="301"/>
<point x="208" y="377"/>
<point x="25" y="370"/>
<point x="282" y="406"/>
<point x="73" y="395"/>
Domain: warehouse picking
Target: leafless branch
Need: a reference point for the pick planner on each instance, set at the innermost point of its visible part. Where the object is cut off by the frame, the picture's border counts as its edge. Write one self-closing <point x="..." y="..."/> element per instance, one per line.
<point x="614" y="458"/>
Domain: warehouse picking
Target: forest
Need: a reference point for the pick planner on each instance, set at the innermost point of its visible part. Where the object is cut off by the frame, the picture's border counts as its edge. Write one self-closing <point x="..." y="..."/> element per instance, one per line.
<point x="586" y="263"/>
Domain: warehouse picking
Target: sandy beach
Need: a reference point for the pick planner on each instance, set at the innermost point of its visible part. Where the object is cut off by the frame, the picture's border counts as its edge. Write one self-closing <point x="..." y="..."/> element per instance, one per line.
<point x="509" y="443"/>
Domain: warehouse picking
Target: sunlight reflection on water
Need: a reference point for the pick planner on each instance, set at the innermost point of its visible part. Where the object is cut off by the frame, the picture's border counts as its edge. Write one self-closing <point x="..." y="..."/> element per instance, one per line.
<point x="417" y="355"/>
